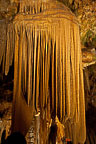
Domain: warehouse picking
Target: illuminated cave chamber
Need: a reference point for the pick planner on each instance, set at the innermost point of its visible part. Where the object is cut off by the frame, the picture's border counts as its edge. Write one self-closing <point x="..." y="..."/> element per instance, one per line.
<point x="44" y="41"/>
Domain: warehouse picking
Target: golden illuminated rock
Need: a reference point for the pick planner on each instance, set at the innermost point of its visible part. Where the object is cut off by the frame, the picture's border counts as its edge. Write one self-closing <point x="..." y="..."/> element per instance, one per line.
<point x="44" y="41"/>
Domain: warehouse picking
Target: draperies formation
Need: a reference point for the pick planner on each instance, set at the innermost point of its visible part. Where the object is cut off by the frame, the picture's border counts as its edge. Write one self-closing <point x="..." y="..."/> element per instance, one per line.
<point x="44" y="41"/>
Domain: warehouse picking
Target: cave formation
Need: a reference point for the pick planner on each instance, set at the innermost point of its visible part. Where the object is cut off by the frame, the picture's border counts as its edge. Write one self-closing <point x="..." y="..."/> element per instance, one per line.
<point x="44" y="43"/>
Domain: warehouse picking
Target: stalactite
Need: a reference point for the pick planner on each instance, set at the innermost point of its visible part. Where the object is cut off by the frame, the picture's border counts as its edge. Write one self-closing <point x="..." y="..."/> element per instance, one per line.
<point x="47" y="68"/>
<point x="56" y="51"/>
<point x="48" y="61"/>
<point x="47" y="77"/>
<point x="16" y="59"/>
<point x="3" y="63"/>
<point x="29" y="35"/>
<point x="12" y="50"/>
<point x="38" y="71"/>
<point x="60" y="74"/>
<point x="7" y="52"/>
<point x="20" y="59"/>
<point x="67" y="63"/>
<point x="73" y="93"/>
<point x="63" y="72"/>
<point x="77" y="70"/>
<point x="3" y="41"/>
<point x="35" y="47"/>
<point x="24" y="62"/>
<point x="43" y="70"/>
<point x="41" y="75"/>
<point x="53" y="44"/>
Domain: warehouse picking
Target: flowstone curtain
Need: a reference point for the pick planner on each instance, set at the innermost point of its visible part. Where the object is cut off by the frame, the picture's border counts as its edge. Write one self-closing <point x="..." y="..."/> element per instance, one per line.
<point x="44" y="42"/>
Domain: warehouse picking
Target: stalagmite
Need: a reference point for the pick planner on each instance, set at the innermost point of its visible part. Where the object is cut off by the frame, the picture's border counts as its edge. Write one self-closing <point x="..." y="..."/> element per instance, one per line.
<point x="44" y="40"/>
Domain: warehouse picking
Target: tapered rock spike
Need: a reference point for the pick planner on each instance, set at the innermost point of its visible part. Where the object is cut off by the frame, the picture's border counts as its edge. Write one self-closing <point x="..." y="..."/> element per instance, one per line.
<point x="29" y="35"/>
<point x="60" y="75"/>
<point x="7" y="53"/>
<point x="67" y="61"/>
<point x="12" y="45"/>
<point x="38" y="71"/>
<point x="47" y="79"/>
<point x="77" y="61"/>
<point x="73" y="97"/>
<point x="43" y="68"/>
<point x="63" y="72"/>
<point x="34" y="79"/>
<point x="20" y="60"/>
<point x="53" y="45"/>
<point x="56" y="51"/>
<point x="25" y="60"/>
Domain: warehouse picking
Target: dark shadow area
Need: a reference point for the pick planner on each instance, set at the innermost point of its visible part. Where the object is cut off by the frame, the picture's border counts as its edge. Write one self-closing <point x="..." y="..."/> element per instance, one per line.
<point x="15" y="138"/>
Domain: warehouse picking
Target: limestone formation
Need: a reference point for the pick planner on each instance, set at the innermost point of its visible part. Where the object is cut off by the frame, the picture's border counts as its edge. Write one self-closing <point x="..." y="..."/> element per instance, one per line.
<point x="44" y="43"/>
